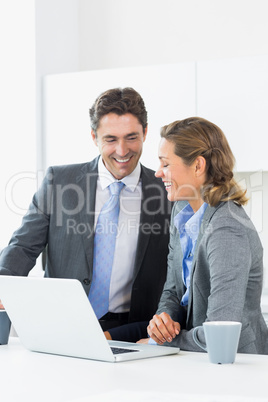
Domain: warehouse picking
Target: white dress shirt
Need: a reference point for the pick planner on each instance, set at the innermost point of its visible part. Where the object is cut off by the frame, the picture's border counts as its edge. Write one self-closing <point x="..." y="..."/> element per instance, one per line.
<point x="127" y="237"/>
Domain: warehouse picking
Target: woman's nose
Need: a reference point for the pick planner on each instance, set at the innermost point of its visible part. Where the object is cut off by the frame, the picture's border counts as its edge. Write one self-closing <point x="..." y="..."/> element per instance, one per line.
<point x="159" y="172"/>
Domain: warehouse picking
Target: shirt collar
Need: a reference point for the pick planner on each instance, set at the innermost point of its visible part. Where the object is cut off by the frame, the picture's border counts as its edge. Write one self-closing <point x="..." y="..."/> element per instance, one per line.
<point x="189" y="221"/>
<point x="106" y="178"/>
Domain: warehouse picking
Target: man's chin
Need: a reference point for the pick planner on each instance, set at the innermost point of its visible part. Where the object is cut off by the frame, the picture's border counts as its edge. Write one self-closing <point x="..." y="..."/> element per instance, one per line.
<point x="124" y="169"/>
<point x="120" y="174"/>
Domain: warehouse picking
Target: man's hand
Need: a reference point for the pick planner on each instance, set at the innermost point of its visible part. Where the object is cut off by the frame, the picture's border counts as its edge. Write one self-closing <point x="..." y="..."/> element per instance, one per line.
<point x="144" y="341"/>
<point x="107" y="335"/>
<point x="163" y="329"/>
<point x="1" y="306"/>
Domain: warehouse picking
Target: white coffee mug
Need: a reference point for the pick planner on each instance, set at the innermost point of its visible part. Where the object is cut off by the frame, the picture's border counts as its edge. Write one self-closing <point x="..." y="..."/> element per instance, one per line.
<point x="222" y="338"/>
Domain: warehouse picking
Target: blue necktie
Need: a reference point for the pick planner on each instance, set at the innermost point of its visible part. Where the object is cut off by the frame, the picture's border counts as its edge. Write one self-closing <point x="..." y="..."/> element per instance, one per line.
<point x="104" y="245"/>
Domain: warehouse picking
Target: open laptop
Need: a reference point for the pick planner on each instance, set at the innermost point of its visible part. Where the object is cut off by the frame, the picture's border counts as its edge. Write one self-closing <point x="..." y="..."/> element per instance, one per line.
<point x="55" y="316"/>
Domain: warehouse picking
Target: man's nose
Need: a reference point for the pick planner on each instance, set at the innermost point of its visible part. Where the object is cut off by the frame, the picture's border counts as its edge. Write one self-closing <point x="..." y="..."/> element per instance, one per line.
<point x="122" y="148"/>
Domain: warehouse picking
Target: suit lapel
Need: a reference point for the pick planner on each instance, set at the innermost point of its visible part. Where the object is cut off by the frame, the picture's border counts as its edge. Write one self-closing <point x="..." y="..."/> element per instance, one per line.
<point x="87" y="181"/>
<point x="146" y="219"/>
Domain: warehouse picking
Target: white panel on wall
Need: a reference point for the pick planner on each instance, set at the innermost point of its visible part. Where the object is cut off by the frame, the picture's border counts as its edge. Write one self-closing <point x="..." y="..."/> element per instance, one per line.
<point x="256" y="184"/>
<point x="168" y="92"/>
<point x="233" y="94"/>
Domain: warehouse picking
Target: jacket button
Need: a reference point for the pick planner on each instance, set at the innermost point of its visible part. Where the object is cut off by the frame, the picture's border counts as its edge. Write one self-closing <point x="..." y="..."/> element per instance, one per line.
<point x="86" y="281"/>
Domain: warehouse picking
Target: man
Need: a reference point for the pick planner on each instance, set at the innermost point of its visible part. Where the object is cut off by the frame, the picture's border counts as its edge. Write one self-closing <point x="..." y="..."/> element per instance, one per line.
<point x="63" y="218"/>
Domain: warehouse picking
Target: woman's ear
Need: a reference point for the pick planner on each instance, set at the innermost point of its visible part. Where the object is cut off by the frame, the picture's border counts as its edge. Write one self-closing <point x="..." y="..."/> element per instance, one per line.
<point x="200" y="166"/>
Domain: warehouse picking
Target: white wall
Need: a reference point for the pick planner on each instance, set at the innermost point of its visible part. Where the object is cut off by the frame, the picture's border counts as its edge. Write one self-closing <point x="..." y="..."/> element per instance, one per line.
<point x="18" y="118"/>
<point x="75" y="35"/>
<point x="83" y="35"/>
<point x="57" y="51"/>
<point x="57" y="36"/>
<point x="121" y="33"/>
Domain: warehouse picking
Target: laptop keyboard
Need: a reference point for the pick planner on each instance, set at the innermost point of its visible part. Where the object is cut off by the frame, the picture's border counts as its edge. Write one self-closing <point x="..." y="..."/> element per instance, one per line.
<point x="116" y="351"/>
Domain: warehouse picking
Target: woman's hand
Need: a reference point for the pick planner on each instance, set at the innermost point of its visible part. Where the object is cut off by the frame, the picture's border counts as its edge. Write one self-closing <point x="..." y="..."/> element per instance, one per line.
<point x="163" y="329"/>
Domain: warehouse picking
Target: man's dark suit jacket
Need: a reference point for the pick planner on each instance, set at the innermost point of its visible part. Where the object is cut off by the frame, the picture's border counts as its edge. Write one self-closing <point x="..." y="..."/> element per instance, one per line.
<point x="61" y="219"/>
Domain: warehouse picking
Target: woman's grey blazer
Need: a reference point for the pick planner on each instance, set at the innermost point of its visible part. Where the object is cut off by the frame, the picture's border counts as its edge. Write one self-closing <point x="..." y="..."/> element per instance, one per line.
<point x="226" y="278"/>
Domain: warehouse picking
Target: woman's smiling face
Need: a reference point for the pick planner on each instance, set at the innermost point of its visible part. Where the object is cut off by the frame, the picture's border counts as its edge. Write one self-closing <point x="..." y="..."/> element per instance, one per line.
<point x="182" y="182"/>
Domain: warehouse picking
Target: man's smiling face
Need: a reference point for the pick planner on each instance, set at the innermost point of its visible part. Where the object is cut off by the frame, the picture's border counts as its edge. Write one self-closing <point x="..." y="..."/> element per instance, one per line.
<point x="120" y="141"/>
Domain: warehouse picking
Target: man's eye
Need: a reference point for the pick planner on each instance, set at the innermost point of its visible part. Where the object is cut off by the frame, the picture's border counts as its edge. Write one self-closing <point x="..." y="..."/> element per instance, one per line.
<point x="110" y="140"/>
<point x="132" y="138"/>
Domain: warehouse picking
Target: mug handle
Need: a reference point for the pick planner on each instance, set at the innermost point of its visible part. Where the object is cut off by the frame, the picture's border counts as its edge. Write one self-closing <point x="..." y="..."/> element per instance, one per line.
<point x="202" y="346"/>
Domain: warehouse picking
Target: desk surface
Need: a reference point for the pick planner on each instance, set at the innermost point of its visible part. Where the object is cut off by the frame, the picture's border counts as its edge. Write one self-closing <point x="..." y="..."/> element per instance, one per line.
<point x="186" y="377"/>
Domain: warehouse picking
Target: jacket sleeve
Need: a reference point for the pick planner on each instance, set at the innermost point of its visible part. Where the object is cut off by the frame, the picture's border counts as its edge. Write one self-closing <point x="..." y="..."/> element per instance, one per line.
<point x="30" y="239"/>
<point x="170" y="298"/>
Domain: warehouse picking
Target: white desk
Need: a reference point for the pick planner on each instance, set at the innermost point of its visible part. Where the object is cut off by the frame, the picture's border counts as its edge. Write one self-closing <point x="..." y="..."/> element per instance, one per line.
<point x="35" y="377"/>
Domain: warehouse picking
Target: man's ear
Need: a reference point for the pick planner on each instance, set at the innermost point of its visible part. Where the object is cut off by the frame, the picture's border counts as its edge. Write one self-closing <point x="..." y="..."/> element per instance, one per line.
<point x="200" y="166"/>
<point x="94" y="137"/>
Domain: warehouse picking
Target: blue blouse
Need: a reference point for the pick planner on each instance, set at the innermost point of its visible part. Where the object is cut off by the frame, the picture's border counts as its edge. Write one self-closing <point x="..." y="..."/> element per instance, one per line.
<point x="188" y="225"/>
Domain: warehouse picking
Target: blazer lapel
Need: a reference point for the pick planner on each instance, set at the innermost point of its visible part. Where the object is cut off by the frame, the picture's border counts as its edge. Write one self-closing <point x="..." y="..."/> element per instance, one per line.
<point x="177" y="256"/>
<point x="204" y="225"/>
<point x="87" y="181"/>
<point x="146" y="219"/>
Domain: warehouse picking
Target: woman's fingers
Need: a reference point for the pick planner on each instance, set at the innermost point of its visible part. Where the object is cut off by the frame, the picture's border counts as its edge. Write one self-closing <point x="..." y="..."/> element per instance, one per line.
<point x="162" y="328"/>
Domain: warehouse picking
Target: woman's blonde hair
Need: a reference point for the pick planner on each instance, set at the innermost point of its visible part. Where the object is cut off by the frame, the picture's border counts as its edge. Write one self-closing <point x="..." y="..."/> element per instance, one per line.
<point x="195" y="137"/>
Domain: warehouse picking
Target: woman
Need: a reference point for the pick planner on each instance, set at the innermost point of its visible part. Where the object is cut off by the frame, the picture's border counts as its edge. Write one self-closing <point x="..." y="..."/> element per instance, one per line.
<point x="215" y="268"/>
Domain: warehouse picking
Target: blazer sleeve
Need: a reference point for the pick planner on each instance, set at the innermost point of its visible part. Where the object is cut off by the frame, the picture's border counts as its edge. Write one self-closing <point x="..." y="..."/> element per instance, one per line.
<point x="171" y="295"/>
<point x="30" y="239"/>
